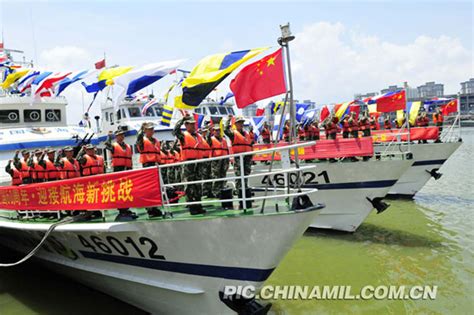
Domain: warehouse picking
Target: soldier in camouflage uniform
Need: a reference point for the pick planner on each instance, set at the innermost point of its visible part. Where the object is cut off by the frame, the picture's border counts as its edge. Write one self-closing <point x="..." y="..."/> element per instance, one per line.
<point x="190" y="145"/>
<point x="242" y="141"/>
<point x="218" y="167"/>
<point x="205" y="167"/>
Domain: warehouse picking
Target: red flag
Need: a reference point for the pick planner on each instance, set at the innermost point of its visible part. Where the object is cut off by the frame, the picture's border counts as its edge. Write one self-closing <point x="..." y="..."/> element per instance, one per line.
<point x="100" y="64"/>
<point x="259" y="80"/>
<point x="1" y="46"/>
<point x="451" y="107"/>
<point x="391" y="102"/>
<point x="324" y="113"/>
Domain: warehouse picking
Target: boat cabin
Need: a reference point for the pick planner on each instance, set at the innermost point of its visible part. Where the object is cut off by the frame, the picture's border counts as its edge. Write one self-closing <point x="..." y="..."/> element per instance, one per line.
<point x="17" y="112"/>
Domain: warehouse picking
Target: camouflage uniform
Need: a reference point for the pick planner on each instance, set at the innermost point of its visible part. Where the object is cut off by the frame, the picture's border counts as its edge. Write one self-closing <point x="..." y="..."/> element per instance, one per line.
<point x="190" y="171"/>
<point x="247" y="159"/>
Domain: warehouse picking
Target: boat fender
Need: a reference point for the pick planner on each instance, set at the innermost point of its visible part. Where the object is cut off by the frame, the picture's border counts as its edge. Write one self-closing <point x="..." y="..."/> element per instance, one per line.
<point x="45" y="237"/>
<point x="378" y="204"/>
<point x="434" y="173"/>
<point x="244" y="306"/>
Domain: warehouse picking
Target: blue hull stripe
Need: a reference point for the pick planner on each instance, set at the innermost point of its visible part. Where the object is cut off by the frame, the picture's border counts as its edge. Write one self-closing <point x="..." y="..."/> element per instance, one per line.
<point x="428" y="162"/>
<point x="354" y="185"/>
<point x="233" y="273"/>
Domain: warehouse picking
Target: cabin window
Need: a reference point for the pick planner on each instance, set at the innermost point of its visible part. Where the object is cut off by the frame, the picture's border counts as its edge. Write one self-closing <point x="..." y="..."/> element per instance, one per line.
<point x="222" y="110"/>
<point x="111" y="118"/>
<point x="150" y="112"/>
<point x="32" y="115"/>
<point x="106" y="116"/>
<point x="159" y="111"/>
<point x="134" y="112"/>
<point x="9" y="116"/>
<point x="213" y="110"/>
<point x="119" y="115"/>
<point x="230" y="110"/>
<point x="198" y="110"/>
<point x="52" y="115"/>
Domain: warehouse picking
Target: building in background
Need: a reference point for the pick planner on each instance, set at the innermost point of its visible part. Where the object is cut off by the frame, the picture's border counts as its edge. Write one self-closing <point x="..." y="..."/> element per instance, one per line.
<point x="431" y="89"/>
<point x="360" y="96"/>
<point x="466" y="97"/>
<point x="467" y="87"/>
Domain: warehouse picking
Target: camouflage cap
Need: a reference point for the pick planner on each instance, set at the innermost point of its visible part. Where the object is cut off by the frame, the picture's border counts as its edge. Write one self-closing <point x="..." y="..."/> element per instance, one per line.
<point x="239" y="119"/>
<point x="89" y="146"/>
<point x="68" y="148"/>
<point x="189" y="120"/>
<point x="119" y="132"/>
<point x="51" y="150"/>
<point x="25" y="151"/>
<point x="216" y="127"/>
<point x="149" y="125"/>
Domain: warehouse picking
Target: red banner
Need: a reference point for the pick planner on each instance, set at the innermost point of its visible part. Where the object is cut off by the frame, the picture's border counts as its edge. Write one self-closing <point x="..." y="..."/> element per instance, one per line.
<point x="416" y="133"/>
<point x="127" y="189"/>
<point x="325" y="149"/>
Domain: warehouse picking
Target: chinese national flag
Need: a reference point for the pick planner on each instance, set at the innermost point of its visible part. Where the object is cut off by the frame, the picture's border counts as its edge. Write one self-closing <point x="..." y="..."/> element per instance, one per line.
<point x="100" y="64"/>
<point x="259" y="80"/>
<point x="451" y="107"/>
<point x="391" y="102"/>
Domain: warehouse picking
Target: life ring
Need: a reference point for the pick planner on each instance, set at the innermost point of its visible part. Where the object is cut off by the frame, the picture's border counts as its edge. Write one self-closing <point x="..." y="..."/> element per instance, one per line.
<point x="13" y="116"/>
<point x="52" y="116"/>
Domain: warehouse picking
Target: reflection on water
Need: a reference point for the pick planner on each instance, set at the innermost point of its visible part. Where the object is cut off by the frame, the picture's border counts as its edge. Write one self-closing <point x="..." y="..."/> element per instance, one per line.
<point x="428" y="241"/>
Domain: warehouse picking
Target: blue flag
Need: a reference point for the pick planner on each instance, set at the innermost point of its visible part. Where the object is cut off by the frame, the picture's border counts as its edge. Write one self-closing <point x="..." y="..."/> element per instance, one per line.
<point x="300" y="110"/>
<point x="229" y="95"/>
<point x="257" y="124"/>
<point x="63" y="84"/>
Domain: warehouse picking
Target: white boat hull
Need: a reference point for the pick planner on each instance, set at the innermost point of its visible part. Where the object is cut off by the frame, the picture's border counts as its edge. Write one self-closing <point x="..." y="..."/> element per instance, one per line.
<point x="193" y="260"/>
<point x="427" y="157"/>
<point x="347" y="188"/>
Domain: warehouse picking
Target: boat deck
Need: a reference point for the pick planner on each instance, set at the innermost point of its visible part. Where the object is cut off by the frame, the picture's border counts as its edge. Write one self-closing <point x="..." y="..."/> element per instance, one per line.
<point x="170" y="213"/>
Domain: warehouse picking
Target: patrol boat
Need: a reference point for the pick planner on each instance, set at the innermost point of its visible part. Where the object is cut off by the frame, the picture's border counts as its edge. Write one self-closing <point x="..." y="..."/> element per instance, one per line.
<point x="130" y="116"/>
<point x="428" y="158"/>
<point x="35" y="125"/>
<point x="349" y="189"/>
<point x="178" y="264"/>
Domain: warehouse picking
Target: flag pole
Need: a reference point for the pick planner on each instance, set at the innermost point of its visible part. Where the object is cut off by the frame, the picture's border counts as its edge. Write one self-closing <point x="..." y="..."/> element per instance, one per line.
<point x="407" y="118"/>
<point x="459" y="115"/>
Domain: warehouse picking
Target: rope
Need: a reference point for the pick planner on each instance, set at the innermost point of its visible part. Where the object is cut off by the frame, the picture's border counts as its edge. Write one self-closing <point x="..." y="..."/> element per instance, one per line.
<point x="45" y="237"/>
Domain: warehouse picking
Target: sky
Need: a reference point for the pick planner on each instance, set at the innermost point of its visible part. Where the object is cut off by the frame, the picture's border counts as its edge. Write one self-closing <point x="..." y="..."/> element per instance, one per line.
<point x="341" y="47"/>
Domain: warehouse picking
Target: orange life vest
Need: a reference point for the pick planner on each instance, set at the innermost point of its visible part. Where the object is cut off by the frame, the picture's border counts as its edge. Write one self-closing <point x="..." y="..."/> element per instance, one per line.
<point x="37" y="171"/>
<point x="242" y="143"/>
<point x="286" y="134"/>
<point x="330" y="128"/>
<point x="345" y="126"/>
<point x="387" y="124"/>
<point x="364" y="124"/>
<point x="265" y="133"/>
<point x="438" y="118"/>
<point x="206" y="151"/>
<point x="150" y="152"/>
<point x="219" y="147"/>
<point x="120" y="156"/>
<point x="51" y="171"/>
<point x="353" y="125"/>
<point x="16" y="176"/>
<point x="301" y="133"/>
<point x="93" y="166"/>
<point x="25" y="169"/>
<point x="193" y="147"/>
<point x="176" y="156"/>
<point x="314" y="130"/>
<point x="69" y="170"/>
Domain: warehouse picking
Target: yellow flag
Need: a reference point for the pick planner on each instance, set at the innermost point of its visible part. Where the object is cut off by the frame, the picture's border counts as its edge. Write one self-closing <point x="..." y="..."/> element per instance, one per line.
<point x="109" y="74"/>
<point x="414" y="109"/>
<point x="13" y="77"/>
<point x="400" y="116"/>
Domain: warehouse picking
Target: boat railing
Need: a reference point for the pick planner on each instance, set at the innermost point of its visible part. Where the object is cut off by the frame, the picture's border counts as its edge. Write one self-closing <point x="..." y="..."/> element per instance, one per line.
<point x="453" y="132"/>
<point x="291" y="190"/>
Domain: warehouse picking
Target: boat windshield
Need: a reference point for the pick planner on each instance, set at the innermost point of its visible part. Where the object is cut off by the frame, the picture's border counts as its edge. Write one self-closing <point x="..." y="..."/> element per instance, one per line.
<point x="154" y="111"/>
<point x="134" y="112"/>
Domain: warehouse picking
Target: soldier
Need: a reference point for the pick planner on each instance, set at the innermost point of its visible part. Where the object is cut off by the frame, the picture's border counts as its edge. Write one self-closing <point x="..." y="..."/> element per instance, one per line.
<point x="286" y="131"/>
<point x="266" y="134"/>
<point x="191" y="145"/>
<point x="175" y="151"/>
<point x="14" y="173"/>
<point x="354" y="125"/>
<point x="331" y="128"/>
<point x="315" y="130"/>
<point x="346" y="128"/>
<point x="51" y="172"/>
<point x="301" y="132"/>
<point x="121" y="161"/>
<point x="387" y="124"/>
<point x="205" y="167"/>
<point x="91" y="163"/>
<point x="149" y="148"/>
<point x="36" y="170"/>
<point x="67" y="165"/>
<point x="438" y="121"/>
<point x="218" y="167"/>
<point x="364" y="125"/>
<point x="22" y="166"/>
<point x="374" y="124"/>
<point x="242" y="141"/>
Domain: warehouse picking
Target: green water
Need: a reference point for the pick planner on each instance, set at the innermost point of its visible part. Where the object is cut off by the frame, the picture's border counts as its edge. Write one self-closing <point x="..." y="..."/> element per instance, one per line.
<point x="428" y="241"/>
